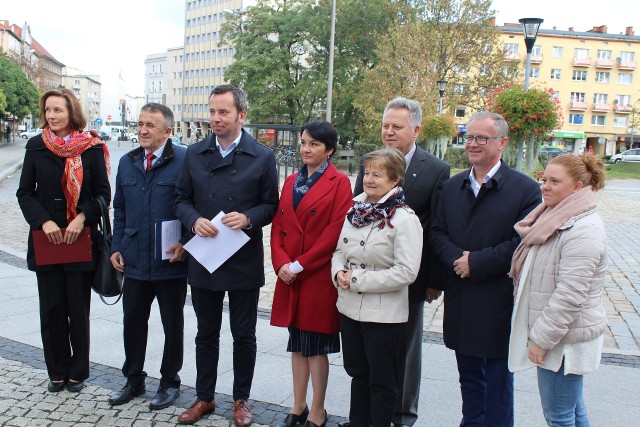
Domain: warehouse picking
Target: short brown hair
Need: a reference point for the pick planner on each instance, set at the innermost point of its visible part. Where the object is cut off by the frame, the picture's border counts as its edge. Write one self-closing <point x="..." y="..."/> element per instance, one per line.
<point x="390" y="159"/>
<point x="586" y="168"/>
<point x="77" y="119"/>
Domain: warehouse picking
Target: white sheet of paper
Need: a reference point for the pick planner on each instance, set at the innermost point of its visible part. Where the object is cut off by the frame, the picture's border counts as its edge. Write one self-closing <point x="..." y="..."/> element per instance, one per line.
<point x="171" y="231"/>
<point x="211" y="252"/>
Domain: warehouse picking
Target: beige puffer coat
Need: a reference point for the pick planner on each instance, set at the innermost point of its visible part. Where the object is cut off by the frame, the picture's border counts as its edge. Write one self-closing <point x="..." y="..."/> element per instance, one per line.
<point x="566" y="284"/>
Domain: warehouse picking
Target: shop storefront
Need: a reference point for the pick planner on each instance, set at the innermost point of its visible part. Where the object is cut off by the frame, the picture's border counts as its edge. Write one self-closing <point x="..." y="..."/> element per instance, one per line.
<point x="622" y="143"/>
<point x="569" y="140"/>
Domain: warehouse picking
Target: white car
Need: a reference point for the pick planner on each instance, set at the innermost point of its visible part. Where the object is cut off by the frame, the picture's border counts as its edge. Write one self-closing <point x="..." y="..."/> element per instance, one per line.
<point x="30" y="133"/>
<point x="632" y="155"/>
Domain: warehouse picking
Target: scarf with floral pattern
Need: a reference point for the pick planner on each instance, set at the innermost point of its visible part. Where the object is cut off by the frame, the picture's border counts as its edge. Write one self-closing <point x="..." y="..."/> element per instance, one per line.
<point x="303" y="184"/>
<point x="363" y="213"/>
<point x="71" y="150"/>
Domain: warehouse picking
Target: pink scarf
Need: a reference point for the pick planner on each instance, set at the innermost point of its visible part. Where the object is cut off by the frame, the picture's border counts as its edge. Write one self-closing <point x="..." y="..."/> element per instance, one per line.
<point x="543" y="222"/>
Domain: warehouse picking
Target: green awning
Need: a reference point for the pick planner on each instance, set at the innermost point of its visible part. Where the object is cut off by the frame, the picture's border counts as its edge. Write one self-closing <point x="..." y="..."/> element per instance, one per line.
<point x="568" y="134"/>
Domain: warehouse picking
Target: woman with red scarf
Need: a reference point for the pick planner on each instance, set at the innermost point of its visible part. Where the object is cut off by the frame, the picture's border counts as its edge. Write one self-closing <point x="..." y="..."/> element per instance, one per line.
<point x="64" y="170"/>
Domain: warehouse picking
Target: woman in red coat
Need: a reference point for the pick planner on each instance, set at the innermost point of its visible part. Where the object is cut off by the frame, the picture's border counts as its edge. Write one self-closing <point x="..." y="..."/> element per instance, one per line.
<point x="304" y="235"/>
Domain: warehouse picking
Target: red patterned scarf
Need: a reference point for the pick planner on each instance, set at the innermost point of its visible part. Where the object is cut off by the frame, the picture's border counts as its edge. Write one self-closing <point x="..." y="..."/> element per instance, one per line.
<point x="71" y="150"/>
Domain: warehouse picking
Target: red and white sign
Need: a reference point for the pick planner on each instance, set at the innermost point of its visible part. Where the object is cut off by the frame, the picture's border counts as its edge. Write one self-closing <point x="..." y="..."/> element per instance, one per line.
<point x="109" y="117"/>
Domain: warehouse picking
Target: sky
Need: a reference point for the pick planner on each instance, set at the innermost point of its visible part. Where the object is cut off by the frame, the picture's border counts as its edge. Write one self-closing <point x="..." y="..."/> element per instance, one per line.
<point x="102" y="38"/>
<point x="109" y="38"/>
<point x="582" y="15"/>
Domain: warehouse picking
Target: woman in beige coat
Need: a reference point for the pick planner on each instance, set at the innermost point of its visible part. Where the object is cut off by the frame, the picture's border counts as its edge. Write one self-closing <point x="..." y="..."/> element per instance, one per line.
<point x="559" y="321"/>
<point x="377" y="258"/>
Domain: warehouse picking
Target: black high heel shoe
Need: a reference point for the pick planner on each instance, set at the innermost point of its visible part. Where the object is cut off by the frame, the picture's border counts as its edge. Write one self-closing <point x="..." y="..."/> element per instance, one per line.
<point x="293" y="419"/>
<point x="324" y="424"/>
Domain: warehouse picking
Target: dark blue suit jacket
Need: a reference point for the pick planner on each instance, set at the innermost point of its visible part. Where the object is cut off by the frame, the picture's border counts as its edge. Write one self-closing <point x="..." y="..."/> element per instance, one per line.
<point x="477" y="315"/>
<point x="244" y="181"/>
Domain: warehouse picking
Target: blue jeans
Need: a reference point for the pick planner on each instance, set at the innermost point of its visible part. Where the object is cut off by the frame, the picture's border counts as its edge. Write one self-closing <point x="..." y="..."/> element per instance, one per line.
<point x="561" y="398"/>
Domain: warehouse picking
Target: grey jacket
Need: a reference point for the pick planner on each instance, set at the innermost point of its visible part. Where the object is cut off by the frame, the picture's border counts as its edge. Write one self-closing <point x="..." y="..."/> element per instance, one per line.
<point x="566" y="284"/>
<point x="384" y="263"/>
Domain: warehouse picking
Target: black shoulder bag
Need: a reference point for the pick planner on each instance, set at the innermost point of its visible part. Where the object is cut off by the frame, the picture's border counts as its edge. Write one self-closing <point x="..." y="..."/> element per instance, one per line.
<point x="107" y="281"/>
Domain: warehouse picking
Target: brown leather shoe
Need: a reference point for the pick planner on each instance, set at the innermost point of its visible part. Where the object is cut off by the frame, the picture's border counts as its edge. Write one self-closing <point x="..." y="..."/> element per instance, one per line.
<point x="196" y="411"/>
<point x="242" y="413"/>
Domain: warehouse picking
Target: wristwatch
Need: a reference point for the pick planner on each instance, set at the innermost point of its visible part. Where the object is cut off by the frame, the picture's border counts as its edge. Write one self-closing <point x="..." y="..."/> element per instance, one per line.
<point x="248" y="227"/>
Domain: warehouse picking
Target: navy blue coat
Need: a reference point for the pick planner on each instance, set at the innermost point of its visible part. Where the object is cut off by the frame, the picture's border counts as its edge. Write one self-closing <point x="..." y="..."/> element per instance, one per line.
<point x="244" y="181"/>
<point x="477" y="310"/>
<point x="141" y="200"/>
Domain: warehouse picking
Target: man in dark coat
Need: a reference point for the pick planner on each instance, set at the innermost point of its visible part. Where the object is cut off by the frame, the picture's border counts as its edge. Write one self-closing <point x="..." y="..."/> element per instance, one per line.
<point x="425" y="175"/>
<point x="473" y="237"/>
<point x="227" y="172"/>
<point x="145" y="192"/>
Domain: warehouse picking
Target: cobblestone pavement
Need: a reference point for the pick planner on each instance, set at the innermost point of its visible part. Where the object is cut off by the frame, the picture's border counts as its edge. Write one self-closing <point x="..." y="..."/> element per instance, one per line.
<point x="618" y="203"/>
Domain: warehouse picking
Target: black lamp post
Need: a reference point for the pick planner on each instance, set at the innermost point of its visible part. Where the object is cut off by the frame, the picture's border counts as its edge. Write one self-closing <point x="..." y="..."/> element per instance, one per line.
<point x="530" y="27"/>
<point x="442" y="85"/>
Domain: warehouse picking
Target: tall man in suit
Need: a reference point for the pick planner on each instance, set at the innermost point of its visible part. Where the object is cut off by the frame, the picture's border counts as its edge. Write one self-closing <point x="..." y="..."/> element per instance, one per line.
<point x="473" y="238"/>
<point x="425" y="175"/>
<point x="145" y="191"/>
<point x="228" y="172"/>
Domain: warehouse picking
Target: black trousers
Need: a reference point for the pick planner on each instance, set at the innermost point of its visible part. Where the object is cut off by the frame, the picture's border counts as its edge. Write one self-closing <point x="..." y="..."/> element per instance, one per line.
<point x="243" y="315"/>
<point x="372" y="355"/>
<point x="137" y="297"/>
<point x="65" y="301"/>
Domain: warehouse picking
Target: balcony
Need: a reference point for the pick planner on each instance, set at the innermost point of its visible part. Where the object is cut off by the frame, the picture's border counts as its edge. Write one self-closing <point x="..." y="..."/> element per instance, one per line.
<point x="601" y="107"/>
<point x="604" y="63"/>
<point x="581" y="106"/>
<point x="627" y="65"/>
<point x="581" y="62"/>
<point x="511" y="56"/>
<point x="536" y="59"/>
<point x="623" y="109"/>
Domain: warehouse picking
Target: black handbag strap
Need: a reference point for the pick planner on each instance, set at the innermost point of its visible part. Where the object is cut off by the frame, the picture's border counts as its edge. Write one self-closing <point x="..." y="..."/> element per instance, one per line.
<point x="105" y="222"/>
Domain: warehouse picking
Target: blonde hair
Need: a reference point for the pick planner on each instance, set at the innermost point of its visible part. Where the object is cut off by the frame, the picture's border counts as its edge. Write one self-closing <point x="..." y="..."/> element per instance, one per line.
<point x="586" y="168"/>
<point x="391" y="160"/>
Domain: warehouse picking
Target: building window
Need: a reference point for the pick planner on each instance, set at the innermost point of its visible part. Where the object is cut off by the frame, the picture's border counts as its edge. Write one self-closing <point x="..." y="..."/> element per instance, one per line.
<point x="536" y="50"/>
<point x="556" y="73"/>
<point x="623" y="99"/>
<point x="557" y="52"/>
<point x="576" y="119"/>
<point x="579" y="75"/>
<point x="577" y="96"/>
<point x="602" y="76"/>
<point x="620" y="122"/>
<point x="581" y="53"/>
<point x="461" y="112"/>
<point x="555" y="95"/>
<point x="624" y="78"/>
<point x="511" y="48"/>
<point x="534" y="72"/>
<point x="600" y="98"/>
<point x="627" y="56"/>
<point x="598" y="120"/>
<point x="604" y="54"/>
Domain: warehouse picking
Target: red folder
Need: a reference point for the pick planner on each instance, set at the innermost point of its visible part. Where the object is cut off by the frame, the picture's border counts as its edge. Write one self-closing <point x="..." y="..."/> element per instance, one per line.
<point x="50" y="253"/>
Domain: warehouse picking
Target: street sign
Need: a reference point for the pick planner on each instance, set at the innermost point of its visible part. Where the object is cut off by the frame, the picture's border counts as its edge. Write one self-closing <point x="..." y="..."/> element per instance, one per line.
<point x="109" y="118"/>
<point x="602" y="140"/>
<point x="98" y="121"/>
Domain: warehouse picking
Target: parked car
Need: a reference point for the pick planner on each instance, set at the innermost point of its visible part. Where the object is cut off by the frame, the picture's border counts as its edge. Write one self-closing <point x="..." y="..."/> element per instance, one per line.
<point x="548" y="153"/>
<point x="30" y="133"/>
<point x="103" y="135"/>
<point x="133" y="137"/>
<point x="632" y="155"/>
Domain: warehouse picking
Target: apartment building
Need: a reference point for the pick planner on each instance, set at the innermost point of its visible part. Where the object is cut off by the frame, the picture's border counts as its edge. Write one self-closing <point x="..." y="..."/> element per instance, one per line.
<point x="594" y="76"/>
<point x="87" y="89"/>
<point x="155" y="82"/>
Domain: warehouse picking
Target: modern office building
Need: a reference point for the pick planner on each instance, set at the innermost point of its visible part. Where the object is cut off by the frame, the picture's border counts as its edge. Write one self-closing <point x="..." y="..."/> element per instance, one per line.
<point x="87" y="89"/>
<point x="175" y="57"/>
<point x="594" y="76"/>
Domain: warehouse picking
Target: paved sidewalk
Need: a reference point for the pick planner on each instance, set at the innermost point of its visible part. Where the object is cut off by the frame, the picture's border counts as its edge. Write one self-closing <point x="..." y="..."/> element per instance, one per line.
<point x="610" y="393"/>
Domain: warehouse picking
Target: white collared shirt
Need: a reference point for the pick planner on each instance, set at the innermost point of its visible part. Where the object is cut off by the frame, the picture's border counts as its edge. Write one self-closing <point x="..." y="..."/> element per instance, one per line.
<point x="230" y="148"/>
<point x="409" y="156"/>
<point x="475" y="185"/>
<point x="157" y="154"/>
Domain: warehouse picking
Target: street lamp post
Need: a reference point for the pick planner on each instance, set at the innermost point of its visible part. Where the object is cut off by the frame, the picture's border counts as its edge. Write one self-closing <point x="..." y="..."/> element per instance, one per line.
<point x="442" y="85"/>
<point x="530" y="27"/>
<point x="331" y="54"/>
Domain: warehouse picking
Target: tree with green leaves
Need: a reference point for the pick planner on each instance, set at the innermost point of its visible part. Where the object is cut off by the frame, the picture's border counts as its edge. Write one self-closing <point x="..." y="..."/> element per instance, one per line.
<point x="451" y="40"/>
<point x="438" y="131"/>
<point x="531" y="115"/>
<point x="21" y="95"/>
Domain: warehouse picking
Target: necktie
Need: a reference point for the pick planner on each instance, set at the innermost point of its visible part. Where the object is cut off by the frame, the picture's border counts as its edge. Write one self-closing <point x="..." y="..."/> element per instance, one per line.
<point x="150" y="158"/>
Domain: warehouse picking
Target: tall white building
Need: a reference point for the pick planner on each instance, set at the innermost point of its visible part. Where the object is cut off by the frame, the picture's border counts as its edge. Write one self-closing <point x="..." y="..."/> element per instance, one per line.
<point x="155" y="78"/>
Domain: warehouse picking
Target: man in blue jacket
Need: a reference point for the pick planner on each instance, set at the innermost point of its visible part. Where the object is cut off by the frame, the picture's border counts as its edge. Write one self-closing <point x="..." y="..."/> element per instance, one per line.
<point x="145" y="192"/>
<point x="473" y="238"/>
<point x="233" y="173"/>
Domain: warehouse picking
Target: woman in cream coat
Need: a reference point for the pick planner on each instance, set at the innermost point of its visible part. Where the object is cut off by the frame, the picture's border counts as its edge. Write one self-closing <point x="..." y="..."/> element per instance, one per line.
<point x="558" y="269"/>
<point x="377" y="258"/>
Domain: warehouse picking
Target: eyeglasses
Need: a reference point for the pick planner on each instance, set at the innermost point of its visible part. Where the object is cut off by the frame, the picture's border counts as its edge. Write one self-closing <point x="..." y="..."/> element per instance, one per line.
<point x="481" y="140"/>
